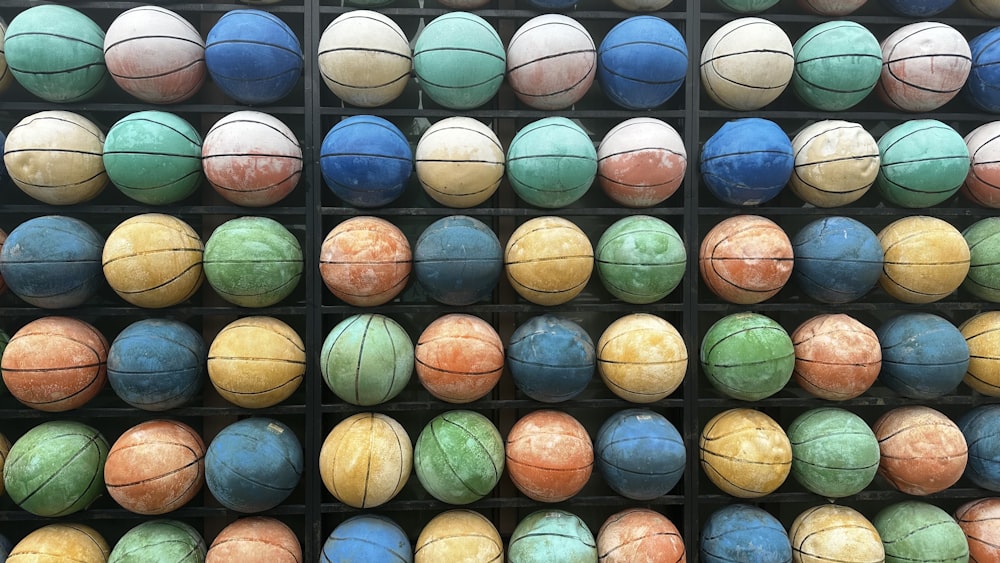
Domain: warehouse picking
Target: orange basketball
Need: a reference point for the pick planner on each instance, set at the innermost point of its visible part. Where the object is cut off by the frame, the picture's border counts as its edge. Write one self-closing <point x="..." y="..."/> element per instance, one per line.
<point x="459" y="358"/>
<point x="549" y="455"/>
<point x="922" y="450"/>
<point x="639" y="535"/>
<point x="978" y="519"/>
<point x="365" y="261"/>
<point x="255" y="539"/>
<point x="836" y="357"/>
<point x="745" y="259"/>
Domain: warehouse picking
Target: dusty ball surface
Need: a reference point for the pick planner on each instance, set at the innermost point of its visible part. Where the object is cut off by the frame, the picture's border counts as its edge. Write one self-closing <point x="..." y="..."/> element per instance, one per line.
<point x="641" y="357"/>
<point x="550" y="456"/>
<point x="459" y="358"/>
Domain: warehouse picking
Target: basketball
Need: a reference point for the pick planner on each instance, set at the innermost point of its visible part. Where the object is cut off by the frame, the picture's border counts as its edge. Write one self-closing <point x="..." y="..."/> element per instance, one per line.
<point x="157" y="364"/>
<point x="55" y="364"/>
<point x="53" y="262"/>
<point x="56" y="468"/>
<point x="831" y="7"/>
<point x="551" y="162"/>
<point x="459" y="535"/>
<point x="982" y="87"/>
<point x="836" y="162"/>
<point x="459" y="60"/>
<point x="459" y="358"/>
<point x="551" y="536"/>
<point x="640" y="454"/>
<point x="747" y="356"/>
<point x="639" y="535"/>
<point x="366" y="161"/>
<point x="366" y="460"/>
<point x="365" y="261"/>
<point x="253" y="261"/>
<point x="834" y="452"/>
<point x="977" y="518"/>
<point x="837" y="64"/>
<point x="551" y="358"/>
<point x="255" y="539"/>
<point x="61" y="541"/>
<point x="641" y="162"/>
<point x="981" y="335"/>
<point x="458" y="260"/>
<point x="253" y="464"/>
<point x="55" y="157"/>
<point x="983" y="182"/>
<point x="924" y="162"/>
<point x="56" y="53"/>
<point x="919" y="531"/>
<point x="367" y="359"/>
<point x="922" y="450"/>
<point x="155" y="55"/>
<point x="924" y="65"/>
<point x="746" y="259"/>
<point x="153" y="260"/>
<point x="642" y="62"/>
<point x="926" y="259"/>
<point x="979" y="426"/>
<point x="833" y="532"/>
<point x="367" y="537"/>
<point x="364" y="58"/>
<point x="550" y="456"/>
<point x="251" y="159"/>
<point x="459" y="162"/>
<point x="918" y="9"/>
<point x="746" y="64"/>
<point x="641" y="358"/>
<point x="256" y="362"/>
<point x="747" y="161"/>
<point x="640" y="259"/>
<point x="164" y="540"/>
<point x="837" y="259"/>
<point x="551" y="62"/>
<point x="836" y="357"/>
<point x="459" y="457"/>
<point x="548" y="260"/>
<point x="743" y="532"/>
<point x="983" y="279"/>
<point x="745" y="453"/>
<point x="924" y="356"/>
<point x="253" y="57"/>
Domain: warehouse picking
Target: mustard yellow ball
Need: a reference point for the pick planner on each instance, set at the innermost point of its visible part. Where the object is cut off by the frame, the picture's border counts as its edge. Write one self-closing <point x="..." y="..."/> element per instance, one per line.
<point x="256" y="362"/>
<point x="831" y="532"/>
<point x="459" y="535"/>
<point x="641" y="358"/>
<point x="61" y="542"/>
<point x="982" y="334"/>
<point x="926" y="259"/>
<point x="366" y="459"/>
<point x="548" y="260"/>
<point x="745" y="453"/>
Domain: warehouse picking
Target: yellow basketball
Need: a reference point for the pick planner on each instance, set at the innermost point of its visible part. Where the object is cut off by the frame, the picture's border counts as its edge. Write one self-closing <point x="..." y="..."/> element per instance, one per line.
<point x="641" y="358"/>
<point x="153" y="260"/>
<point x="459" y="162"/>
<point x="926" y="259"/>
<point x="256" y="362"/>
<point x="459" y="536"/>
<point x="548" y="260"/>
<point x="366" y="459"/>
<point x="61" y="542"/>
<point x="831" y="533"/>
<point x="745" y="453"/>
<point x="982" y="334"/>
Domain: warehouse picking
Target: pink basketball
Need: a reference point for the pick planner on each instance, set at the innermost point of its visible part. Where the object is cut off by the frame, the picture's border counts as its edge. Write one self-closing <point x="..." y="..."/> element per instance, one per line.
<point x="982" y="185"/>
<point x="641" y="162"/>
<point x="924" y="65"/>
<point x="551" y="62"/>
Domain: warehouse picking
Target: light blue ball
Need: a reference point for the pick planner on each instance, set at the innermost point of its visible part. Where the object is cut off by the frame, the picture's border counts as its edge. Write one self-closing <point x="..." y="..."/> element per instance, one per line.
<point x="642" y="62"/>
<point x="837" y="259"/>
<point x="982" y="87"/>
<point x="924" y="356"/>
<point x="744" y="533"/>
<point x="458" y="260"/>
<point x="640" y="454"/>
<point x="747" y="161"/>
<point x="918" y="8"/>
<point x="366" y="161"/>
<point x="551" y="358"/>
<point x="157" y="364"/>
<point x="459" y="60"/>
<point x="367" y="538"/>
<point x="551" y="162"/>
<point x="981" y="428"/>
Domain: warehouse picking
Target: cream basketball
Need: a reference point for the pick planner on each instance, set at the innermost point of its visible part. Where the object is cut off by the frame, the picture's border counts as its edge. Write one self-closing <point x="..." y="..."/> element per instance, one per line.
<point x="459" y="162"/>
<point x="836" y="162"/>
<point x="926" y="259"/>
<point x="747" y="64"/>
<point x="459" y="535"/>
<point x="549" y="260"/>
<point x="364" y="58"/>
<point x="834" y="533"/>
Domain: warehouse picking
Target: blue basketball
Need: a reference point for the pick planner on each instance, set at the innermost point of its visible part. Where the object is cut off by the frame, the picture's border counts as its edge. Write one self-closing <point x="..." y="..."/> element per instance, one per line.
<point x="551" y="358"/>
<point x="53" y="261"/>
<point x="157" y="364"/>
<point x="982" y="87"/>
<point x="366" y="161"/>
<point x="924" y="356"/>
<point x="253" y="464"/>
<point x="747" y="161"/>
<point x="367" y="537"/>
<point x="837" y="259"/>
<point x="458" y="260"/>
<point x="742" y="532"/>
<point x="640" y="454"/>
<point x="642" y="62"/>
<point x="918" y="8"/>
<point x="253" y="56"/>
<point x="981" y="427"/>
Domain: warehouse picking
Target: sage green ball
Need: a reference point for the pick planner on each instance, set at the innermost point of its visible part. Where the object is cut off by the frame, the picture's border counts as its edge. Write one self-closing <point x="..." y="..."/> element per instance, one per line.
<point x="552" y="536"/>
<point x="640" y="259"/>
<point x="551" y="162"/>
<point x="253" y="261"/>
<point x="837" y="64"/>
<point x="835" y="453"/>
<point x="918" y="531"/>
<point x="747" y="356"/>
<point x="163" y="541"/>
<point x="459" y="457"/>
<point x="924" y="162"/>
<point x="367" y="359"/>
<point x="459" y="60"/>
<point x="983" y="279"/>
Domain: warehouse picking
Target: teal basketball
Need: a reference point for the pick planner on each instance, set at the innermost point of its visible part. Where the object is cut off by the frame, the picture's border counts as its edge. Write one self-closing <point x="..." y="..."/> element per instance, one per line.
<point x="164" y="541"/>
<point x="253" y="261"/>
<point x="837" y="64"/>
<point x="552" y="536"/>
<point x="56" y="53"/>
<point x="367" y="359"/>
<point x="983" y="279"/>
<point x="834" y="452"/>
<point x="551" y="162"/>
<point x="747" y="356"/>
<point x="153" y="157"/>
<point x="459" y="457"/>
<point x="459" y="60"/>
<point x="640" y="259"/>
<point x="918" y="531"/>
<point x="924" y="162"/>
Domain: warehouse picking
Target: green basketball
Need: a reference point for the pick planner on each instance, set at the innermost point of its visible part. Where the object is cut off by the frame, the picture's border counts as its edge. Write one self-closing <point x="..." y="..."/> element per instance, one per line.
<point x="983" y="279"/>
<point x="924" y="162"/>
<point x="459" y="457"/>
<point x="917" y="531"/>
<point x="56" y="53"/>
<point x="459" y="60"/>
<point x="747" y="356"/>
<point x="837" y="64"/>
<point x="640" y="259"/>
<point x="834" y="452"/>
<point x="253" y="261"/>
<point x="167" y="541"/>
<point x="551" y="162"/>
<point x="367" y="359"/>
<point x="56" y="468"/>
<point x="153" y="157"/>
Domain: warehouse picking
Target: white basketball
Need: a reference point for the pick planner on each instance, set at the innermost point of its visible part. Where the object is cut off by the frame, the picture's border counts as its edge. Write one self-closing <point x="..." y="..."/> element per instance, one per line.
<point x="365" y="58"/>
<point x="836" y="162"/>
<point x="459" y="162"/>
<point x="982" y="185"/>
<point x="641" y="162"/>
<point x="747" y="64"/>
<point x="551" y="62"/>
<point x="924" y="65"/>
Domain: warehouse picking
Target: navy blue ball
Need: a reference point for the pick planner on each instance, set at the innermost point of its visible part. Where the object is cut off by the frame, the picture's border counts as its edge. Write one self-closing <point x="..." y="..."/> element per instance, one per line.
<point x="53" y="261"/>
<point x="837" y="259"/>
<point x="982" y="87"/>
<point x="640" y="454"/>
<point x="747" y="161"/>
<point x="458" y="260"/>
<point x="742" y="532"/>
<point x="253" y="56"/>
<point x="924" y="356"/>
<point x="366" y="161"/>
<point x="253" y="464"/>
<point x="642" y="62"/>
<point x="551" y="358"/>
<point x="918" y="8"/>
<point x="981" y="428"/>
<point x="367" y="537"/>
<point x="157" y="364"/>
